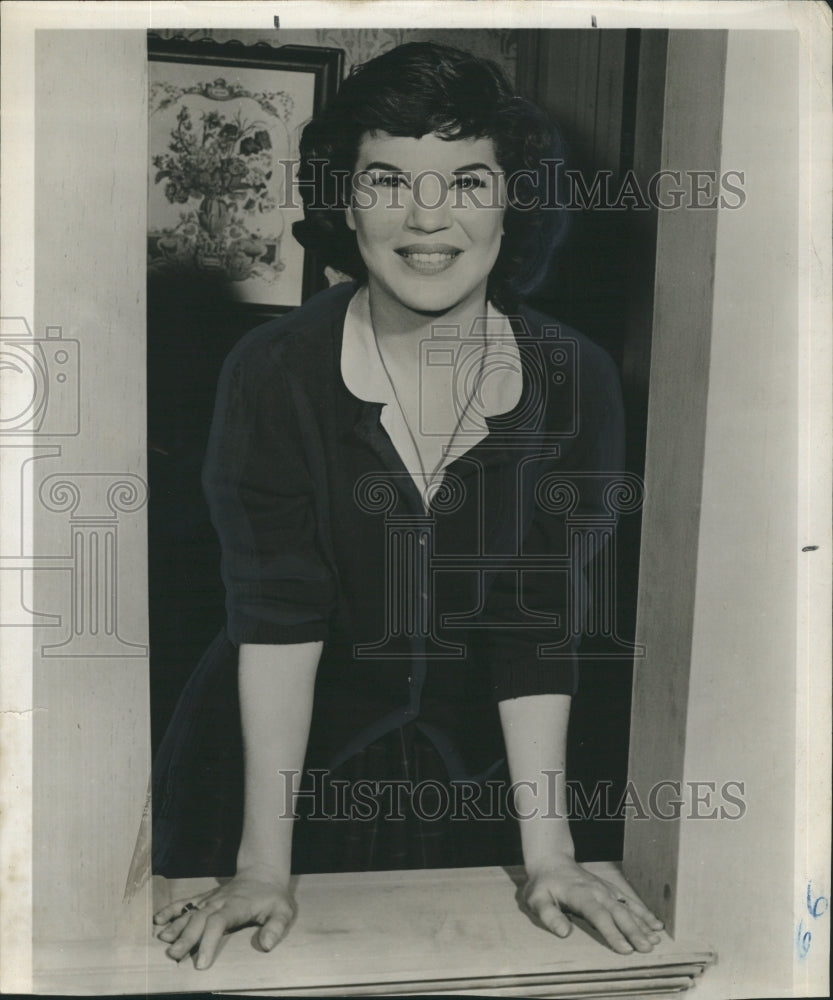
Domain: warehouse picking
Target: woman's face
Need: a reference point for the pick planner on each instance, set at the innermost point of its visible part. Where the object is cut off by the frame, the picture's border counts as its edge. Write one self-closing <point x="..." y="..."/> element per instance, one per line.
<point x="428" y="217"/>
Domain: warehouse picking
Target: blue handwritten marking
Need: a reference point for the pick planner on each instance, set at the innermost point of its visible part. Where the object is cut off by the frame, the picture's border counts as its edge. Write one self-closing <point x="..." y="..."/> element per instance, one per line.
<point x="803" y="940"/>
<point x="817" y="907"/>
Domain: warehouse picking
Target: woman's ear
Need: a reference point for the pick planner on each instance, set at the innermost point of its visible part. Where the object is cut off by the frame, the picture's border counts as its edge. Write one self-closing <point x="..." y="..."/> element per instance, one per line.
<point x="348" y="218"/>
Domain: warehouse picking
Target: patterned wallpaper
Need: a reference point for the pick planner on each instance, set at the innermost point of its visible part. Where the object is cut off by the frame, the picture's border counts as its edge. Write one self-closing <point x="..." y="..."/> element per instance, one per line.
<point x="361" y="44"/>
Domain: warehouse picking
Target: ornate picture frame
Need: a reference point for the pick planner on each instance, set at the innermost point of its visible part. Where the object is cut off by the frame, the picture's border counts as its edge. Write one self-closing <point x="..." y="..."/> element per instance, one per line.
<point x="224" y="125"/>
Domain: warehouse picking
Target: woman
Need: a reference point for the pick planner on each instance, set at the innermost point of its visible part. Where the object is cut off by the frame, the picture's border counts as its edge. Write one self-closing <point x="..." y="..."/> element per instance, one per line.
<point x="396" y="471"/>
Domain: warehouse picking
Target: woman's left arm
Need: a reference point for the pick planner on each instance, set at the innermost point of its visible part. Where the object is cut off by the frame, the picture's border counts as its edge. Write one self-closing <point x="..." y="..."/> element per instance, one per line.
<point x="535" y="733"/>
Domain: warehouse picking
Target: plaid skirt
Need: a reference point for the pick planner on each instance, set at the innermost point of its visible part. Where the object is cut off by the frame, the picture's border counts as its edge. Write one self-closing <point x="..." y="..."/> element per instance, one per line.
<point x="392" y="806"/>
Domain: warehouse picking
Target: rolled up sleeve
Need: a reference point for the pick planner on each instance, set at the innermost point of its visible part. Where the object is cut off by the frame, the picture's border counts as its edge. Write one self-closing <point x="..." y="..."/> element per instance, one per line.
<point x="256" y="478"/>
<point x="570" y="531"/>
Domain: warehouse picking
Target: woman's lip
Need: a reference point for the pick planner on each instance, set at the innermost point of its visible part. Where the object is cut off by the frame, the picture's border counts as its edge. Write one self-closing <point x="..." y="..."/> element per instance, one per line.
<point x="428" y="248"/>
<point x="429" y="258"/>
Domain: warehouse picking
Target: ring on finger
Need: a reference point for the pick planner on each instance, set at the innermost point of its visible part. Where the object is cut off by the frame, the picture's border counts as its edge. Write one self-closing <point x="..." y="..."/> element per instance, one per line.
<point x="186" y="908"/>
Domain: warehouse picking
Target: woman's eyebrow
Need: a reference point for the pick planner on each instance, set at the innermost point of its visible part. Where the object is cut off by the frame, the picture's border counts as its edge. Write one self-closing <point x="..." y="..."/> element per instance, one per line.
<point x="467" y="168"/>
<point x="476" y="166"/>
<point x="379" y="165"/>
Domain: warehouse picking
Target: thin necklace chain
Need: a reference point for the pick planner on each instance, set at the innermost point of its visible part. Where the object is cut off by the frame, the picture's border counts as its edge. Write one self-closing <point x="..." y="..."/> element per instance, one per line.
<point x="429" y="481"/>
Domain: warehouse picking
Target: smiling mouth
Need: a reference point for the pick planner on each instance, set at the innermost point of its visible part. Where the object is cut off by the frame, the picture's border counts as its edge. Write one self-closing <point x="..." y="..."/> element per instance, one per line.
<point x="429" y="259"/>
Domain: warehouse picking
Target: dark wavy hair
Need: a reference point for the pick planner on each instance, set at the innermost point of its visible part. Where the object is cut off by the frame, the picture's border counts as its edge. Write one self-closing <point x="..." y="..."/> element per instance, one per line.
<point x="421" y="88"/>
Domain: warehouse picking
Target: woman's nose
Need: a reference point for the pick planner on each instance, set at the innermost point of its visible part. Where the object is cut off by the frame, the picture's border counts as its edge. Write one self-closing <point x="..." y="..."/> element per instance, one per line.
<point x="430" y="208"/>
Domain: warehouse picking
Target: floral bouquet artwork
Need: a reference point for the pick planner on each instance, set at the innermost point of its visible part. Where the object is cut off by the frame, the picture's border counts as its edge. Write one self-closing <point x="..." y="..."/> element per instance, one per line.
<point x="218" y="152"/>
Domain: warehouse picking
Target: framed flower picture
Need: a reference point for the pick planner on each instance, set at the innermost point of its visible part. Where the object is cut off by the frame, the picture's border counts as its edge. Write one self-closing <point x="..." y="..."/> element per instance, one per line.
<point x="225" y="121"/>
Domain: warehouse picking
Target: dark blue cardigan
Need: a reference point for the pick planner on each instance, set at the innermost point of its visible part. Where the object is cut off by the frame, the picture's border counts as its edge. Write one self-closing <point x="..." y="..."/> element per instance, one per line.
<point x="426" y="618"/>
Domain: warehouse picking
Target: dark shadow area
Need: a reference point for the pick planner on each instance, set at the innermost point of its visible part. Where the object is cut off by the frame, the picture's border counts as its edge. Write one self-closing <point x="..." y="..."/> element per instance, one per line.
<point x="602" y="285"/>
<point x="193" y="321"/>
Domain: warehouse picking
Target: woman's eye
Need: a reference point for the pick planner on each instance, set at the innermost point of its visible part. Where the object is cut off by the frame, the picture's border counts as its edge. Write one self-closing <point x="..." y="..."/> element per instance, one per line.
<point x="467" y="182"/>
<point x="388" y="180"/>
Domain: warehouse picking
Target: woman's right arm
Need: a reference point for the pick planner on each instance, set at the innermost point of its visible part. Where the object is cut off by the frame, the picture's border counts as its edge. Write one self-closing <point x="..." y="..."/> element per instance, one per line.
<point x="276" y="695"/>
<point x="276" y="692"/>
<point x="280" y="595"/>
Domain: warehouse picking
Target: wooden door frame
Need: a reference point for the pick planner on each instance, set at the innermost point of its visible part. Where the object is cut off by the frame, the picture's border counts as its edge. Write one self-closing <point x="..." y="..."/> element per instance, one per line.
<point x="90" y="719"/>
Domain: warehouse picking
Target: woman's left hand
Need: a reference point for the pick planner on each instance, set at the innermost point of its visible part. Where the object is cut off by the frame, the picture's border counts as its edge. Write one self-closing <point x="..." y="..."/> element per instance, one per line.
<point x="620" y="917"/>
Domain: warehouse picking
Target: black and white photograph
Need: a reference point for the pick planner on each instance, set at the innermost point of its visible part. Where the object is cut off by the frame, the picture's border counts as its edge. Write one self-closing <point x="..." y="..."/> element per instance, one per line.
<point x="415" y="567"/>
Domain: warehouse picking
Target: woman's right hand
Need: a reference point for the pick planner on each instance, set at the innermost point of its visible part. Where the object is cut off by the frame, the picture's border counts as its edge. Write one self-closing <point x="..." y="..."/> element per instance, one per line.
<point x="253" y="896"/>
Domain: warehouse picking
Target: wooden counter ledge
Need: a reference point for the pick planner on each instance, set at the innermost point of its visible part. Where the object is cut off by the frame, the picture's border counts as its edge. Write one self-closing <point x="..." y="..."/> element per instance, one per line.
<point x="386" y="933"/>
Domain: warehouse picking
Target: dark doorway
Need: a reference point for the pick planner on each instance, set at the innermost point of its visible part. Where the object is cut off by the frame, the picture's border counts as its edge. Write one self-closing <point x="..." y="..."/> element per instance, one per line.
<point x="604" y="89"/>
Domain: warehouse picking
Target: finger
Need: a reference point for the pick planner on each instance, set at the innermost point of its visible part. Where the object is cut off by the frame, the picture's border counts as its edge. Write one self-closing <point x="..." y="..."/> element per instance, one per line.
<point x="175" y="928"/>
<point x="649" y="932"/>
<point x="627" y="924"/>
<point x="542" y="905"/>
<point x="215" y="928"/>
<point x="634" y="903"/>
<point x="189" y="937"/>
<point x="630" y="928"/>
<point x="639" y="909"/>
<point x="601" y="918"/>
<point x="218" y="902"/>
<point x="170" y="912"/>
<point x="275" y="928"/>
<point x="174" y="909"/>
<point x="554" y="919"/>
<point x="626" y="903"/>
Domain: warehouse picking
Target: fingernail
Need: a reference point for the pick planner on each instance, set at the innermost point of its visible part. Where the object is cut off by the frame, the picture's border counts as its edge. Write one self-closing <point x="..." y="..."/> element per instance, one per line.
<point x="202" y="961"/>
<point x="268" y="940"/>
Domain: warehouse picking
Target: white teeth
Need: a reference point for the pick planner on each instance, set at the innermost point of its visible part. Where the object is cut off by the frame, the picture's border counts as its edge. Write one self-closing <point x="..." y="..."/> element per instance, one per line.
<point x="430" y="258"/>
